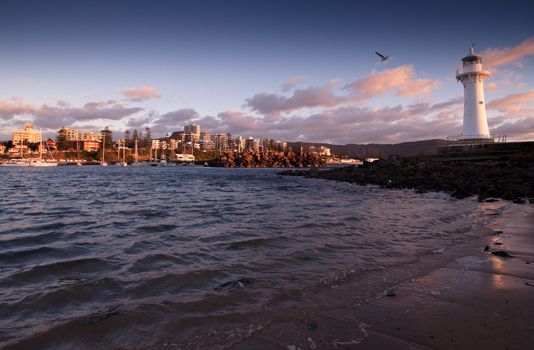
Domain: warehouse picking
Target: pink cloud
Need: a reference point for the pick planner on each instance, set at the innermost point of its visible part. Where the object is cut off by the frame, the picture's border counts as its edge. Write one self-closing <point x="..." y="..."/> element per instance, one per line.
<point x="54" y="116"/>
<point x="269" y="102"/>
<point x="509" y="55"/>
<point x="141" y="93"/>
<point x="516" y="102"/>
<point x="291" y="82"/>
<point x="399" y="80"/>
<point x="15" y="106"/>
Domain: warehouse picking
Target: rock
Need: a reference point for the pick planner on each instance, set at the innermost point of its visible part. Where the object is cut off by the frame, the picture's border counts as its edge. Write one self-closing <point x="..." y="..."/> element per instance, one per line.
<point x="486" y="249"/>
<point x="390" y="293"/>
<point x="509" y="195"/>
<point x="501" y="253"/>
<point x="491" y="200"/>
<point x="312" y="326"/>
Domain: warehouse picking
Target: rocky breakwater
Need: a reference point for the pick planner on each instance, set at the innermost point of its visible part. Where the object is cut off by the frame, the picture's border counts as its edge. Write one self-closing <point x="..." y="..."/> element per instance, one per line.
<point x="509" y="177"/>
<point x="271" y="159"/>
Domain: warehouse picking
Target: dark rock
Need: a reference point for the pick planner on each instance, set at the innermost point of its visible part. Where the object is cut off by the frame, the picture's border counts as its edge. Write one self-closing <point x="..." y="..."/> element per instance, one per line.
<point x="508" y="195"/>
<point x="390" y="293"/>
<point x="486" y="249"/>
<point x="501" y="253"/>
<point x="312" y="326"/>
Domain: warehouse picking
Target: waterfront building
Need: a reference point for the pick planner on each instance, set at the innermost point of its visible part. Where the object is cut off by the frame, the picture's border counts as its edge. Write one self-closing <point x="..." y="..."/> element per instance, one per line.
<point x="173" y="144"/>
<point x="321" y="150"/>
<point x="221" y="142"/>
<point x="472" y="75"/>
<point x="89" y="141"/>
<point x="206" y="142"/>
<point x="252" y="144"/>
<point x="280" y="145"/>
<point x="21" y="138"/>
<point x="192" y="132"/>
<point x="50" y="144"/>
<point x="70" y="134"/>
<point x="155" y="144"/>
<point x="90" y="145"/>
<point x="89" y="136"/>
<point x="2" y="149"/>
<point x="239" y="144"/>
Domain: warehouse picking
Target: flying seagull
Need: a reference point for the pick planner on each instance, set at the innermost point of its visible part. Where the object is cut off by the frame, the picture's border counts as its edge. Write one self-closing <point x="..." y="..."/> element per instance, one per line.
<point x="382" y="57"/>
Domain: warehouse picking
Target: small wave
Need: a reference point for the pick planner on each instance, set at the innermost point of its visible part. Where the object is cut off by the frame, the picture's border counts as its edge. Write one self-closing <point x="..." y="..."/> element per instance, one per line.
<point x="30" y="255"/>
<point x="252" y="243"/>
<point x="173" y="284"/>
<point x="77" y="266"/>
<point x="156" y="262"/>
<point x="156" y="228"/>
<point x="30" y="240"/>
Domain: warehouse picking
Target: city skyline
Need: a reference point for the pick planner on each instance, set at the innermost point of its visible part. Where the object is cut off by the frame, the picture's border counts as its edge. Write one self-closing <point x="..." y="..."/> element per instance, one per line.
<point x="304" y="71"/>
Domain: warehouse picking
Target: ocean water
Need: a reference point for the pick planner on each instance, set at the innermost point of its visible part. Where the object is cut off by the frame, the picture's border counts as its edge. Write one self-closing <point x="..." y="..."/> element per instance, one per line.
<point x="194" y="257"/>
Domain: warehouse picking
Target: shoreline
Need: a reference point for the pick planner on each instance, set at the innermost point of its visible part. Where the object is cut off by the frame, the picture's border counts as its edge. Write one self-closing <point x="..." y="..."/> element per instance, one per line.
<point x="509" y="177"/>
<point x="477" y="301"/>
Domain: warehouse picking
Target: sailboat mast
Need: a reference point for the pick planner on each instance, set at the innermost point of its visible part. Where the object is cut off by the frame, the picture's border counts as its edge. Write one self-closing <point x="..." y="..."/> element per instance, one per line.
<point x="136" y="153"/>
<point x="41" y="146"/>
<point x="103" y="145"/>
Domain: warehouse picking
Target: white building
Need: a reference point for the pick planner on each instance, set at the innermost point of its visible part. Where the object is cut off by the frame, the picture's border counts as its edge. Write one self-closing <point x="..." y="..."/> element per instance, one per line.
<point x="321" y="150"/>
<point x="472" y="75"/>
<point x="28" y="135"/>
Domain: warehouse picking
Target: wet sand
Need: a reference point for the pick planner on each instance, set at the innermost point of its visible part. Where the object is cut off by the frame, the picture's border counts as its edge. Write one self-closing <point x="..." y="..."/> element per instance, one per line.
<point x="477" y="302"/>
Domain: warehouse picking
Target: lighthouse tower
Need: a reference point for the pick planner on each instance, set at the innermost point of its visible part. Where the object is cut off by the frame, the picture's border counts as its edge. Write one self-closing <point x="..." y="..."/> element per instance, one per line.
<point x="472" y="75"/>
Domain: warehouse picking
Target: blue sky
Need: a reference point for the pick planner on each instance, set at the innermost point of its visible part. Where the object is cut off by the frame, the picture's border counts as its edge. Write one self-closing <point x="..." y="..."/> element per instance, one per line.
<point x="72" y="63"/>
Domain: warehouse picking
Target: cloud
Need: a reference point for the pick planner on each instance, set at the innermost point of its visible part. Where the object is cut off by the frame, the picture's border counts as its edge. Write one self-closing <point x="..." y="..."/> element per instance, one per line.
<point x="15" y="106"/>
<point x="172" y="121"/>
<point x="515" y="116"/>
<point x="141" y="93"/>
<point x="269" y="103"/>
<point x="291" y="82"/>
<point x="54" y="116"/>
<point x="495" y="57"/>
<point x="399" y="80"/>
<point x="516" y="103"/>
<point x="239" y="122"/>
<point x="351" y="124"/>
<point x="346" y="124"/>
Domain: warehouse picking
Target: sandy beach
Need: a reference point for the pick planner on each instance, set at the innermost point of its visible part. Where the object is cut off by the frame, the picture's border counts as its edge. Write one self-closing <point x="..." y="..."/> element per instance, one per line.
<point x="478" y="301"/>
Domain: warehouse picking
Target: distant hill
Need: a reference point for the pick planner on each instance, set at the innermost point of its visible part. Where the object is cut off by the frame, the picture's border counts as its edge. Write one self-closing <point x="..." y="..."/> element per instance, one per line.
<point x="377" y="150"/>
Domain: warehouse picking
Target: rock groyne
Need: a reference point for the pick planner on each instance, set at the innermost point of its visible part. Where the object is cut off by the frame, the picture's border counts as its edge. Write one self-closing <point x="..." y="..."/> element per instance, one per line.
<point x="509" y="177"/>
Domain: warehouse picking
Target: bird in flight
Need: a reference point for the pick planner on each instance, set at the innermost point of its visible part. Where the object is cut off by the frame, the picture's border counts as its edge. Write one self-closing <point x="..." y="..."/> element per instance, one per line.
<point x="382" y="57"/>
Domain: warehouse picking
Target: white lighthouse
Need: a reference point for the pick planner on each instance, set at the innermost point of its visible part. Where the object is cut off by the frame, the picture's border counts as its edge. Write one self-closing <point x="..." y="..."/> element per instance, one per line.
<point x="472" y="75"/>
